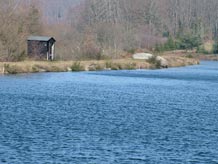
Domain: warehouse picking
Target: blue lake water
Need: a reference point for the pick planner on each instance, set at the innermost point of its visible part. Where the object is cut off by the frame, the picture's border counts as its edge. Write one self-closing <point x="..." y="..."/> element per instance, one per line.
<point x="167" y="116"/>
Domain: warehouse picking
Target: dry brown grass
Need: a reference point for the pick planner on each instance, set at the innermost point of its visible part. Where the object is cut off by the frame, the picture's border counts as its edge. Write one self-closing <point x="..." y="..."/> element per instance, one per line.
<point x="93" y="65"/>
<point x="177" y="61"/>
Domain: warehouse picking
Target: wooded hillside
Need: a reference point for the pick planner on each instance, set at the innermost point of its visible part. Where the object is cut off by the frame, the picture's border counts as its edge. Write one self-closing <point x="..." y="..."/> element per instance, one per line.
<point x="95" y="29"/>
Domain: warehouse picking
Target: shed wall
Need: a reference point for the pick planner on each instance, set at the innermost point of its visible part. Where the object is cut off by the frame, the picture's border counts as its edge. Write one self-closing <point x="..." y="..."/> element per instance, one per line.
<point x="38" y="49"/>
<point x="41" y="49"/>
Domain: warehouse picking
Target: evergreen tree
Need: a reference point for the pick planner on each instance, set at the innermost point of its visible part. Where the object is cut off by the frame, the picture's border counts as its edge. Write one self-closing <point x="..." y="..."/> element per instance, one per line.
<point x="171" y="44"/>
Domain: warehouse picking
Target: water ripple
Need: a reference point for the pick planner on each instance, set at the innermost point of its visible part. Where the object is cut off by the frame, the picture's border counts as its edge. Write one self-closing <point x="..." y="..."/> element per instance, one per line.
<point x="161" y="116"/>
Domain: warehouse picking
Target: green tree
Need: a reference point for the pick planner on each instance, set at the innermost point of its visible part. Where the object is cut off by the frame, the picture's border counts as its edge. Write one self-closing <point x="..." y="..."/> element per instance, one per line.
<point x="189" y="42"/>
<point x="159" y="48"/>
<point x="170" y="45"/>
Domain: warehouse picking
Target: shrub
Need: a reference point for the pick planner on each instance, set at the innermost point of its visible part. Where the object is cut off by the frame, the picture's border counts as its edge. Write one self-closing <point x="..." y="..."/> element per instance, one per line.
<point x="130" y="66"/>
<point x="166" y="34"/>
<point x="116" y="66"/>
<point x="188" y="42"/>
<point x="10" y="69"/>
<point x="99" y="67"/>
<point x="168" y="46"/>
<point x="108" y="64"/>
<point x="201" y="49"/>
<point x="35" y="69"/>
<point x="55" y="69"/>
<point x="215" y="48"/>
<point x="155" y="63"/>
<point x="113" y="66"/>
<point x="184" y="42"/>
<point x="189" y="56"/>
<point x="158" y="64"/>
<point x="131" y="51"/>
<point x="77" y="67"/>
<point x="152" y="60"/>
<point x="95" y="67"/>
<point x="159" y="48"/>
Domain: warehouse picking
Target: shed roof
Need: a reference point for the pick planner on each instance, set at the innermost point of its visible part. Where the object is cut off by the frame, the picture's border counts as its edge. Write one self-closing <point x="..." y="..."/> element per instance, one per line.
<point x="40" y="38"/>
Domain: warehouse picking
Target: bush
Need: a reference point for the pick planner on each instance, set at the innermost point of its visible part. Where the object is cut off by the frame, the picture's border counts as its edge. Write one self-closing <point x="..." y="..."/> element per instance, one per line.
<point x="131" y="51"/>
<point x="99" y="67"/>
<point x="95" y="67"/>
<point x="168" y="46"/>
<point x="55" y="69"/>
<point x="159" y="48"/>
<point x="116" y="66"/>
<point x="152" y="60"/>
<point x="215" y="47"/>
<point x="113" y="66"/>
<point x="8" y="69"/>
<point x="155" y="63"/>
<point x="166" y="34"/>
<point x="184" y="42"/>
<point x="11" y="69"/>
<point x="77" y="67"/>
<point x="130" y="66"/>
<point x="108" y="64"/>
<point x="188" y="42"/>
<point x="158" y="64"/>
<point x="202" y="50"/>
<point x="35" y="69"/>
<point x="189" y="56"/>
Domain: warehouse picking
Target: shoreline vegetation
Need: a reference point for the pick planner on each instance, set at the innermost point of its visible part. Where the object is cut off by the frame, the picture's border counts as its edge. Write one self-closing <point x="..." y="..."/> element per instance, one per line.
<point x="84" y="32"/>
<point x="92" y="65"/>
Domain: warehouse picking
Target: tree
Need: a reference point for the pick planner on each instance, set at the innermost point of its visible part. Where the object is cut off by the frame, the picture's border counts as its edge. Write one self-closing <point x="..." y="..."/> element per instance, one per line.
<point x="189" y="42"/>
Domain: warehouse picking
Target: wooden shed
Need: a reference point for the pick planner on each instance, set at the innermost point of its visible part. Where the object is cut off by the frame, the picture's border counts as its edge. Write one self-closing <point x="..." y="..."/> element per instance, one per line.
<point x="41" y="47"/>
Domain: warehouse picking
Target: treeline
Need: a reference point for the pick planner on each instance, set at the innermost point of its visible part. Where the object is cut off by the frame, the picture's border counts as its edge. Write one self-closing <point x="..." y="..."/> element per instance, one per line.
<point x="106" y="28"/>
<point x="96" y="29"/>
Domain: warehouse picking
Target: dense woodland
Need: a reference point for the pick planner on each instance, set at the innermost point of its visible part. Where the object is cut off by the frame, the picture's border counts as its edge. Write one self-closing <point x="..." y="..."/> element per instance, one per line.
<point x="96" y="29"/>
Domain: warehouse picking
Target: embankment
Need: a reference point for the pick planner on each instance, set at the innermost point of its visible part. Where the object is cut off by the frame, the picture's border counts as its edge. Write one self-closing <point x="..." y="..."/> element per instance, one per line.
<point x="67" y="66"/>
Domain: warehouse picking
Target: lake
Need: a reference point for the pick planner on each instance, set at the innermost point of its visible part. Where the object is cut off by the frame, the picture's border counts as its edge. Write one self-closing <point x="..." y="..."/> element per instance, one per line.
<point x="167" y="116"/>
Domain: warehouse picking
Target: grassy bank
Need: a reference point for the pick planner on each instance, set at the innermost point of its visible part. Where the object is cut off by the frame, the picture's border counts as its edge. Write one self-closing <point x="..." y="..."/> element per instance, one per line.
<point x="64" y="66"/>
<point x="191" y="54"/>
